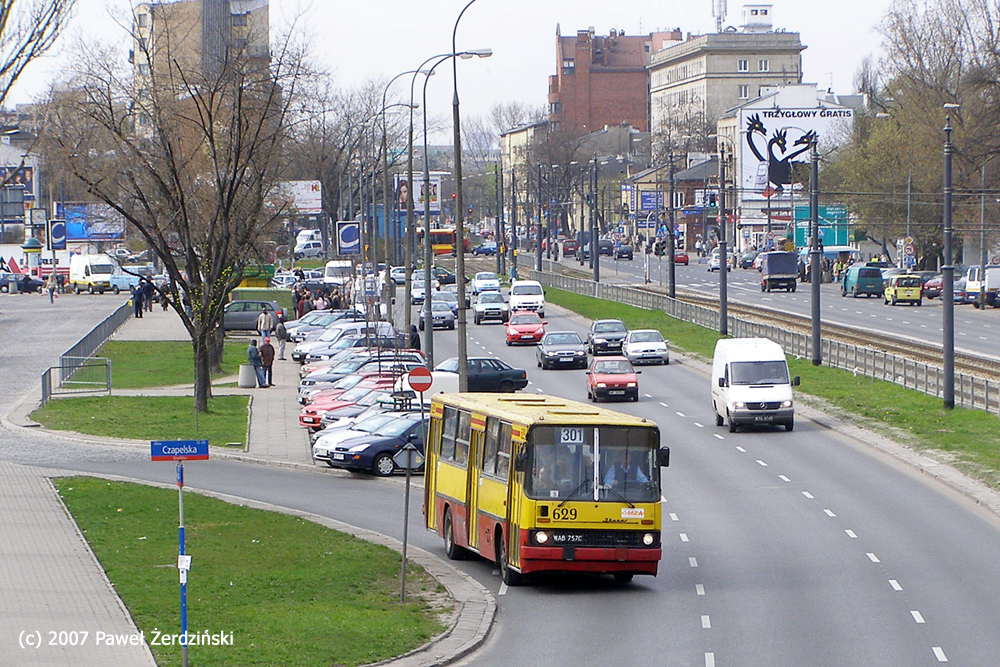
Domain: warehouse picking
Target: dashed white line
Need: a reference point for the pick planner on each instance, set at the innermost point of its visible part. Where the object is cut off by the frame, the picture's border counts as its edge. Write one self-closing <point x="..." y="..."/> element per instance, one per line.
<point x="873" y="558"/>
<point x="673" y="517"/>
<point x="938" y="653"/>
<point x="851" y="534"/>
<point x="829" y="513"/>
<point x="740" y="449"/>
<point x="783" y="478"/>
<point x="699" y="425"/>
<point x="895" y="585"/>
<point x="684" y="537"/>
<point x="503" y="589"/>
<point x="699" y="589"/>
<point x="709" y="660"/>
<point x="761" y="463"/>
<point x="664" y="404"/>
<point x="706" y="622"/>
<point x="693" y="562"/>
<point x="807" y="495"/>
<point x="681" y="414"/>
<point x="648" y="395"/>
<point x="718" y="436"/>
<point x="917" y="616"/>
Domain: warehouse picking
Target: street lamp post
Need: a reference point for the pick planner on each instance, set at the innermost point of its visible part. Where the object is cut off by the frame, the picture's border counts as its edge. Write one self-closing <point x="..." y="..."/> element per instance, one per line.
<point x="671" y="267"/>
<point x="815" y="254"/>
<point x="948" y="277"/>
<point x="538" y="220"/>
<point x="723" y="260"/>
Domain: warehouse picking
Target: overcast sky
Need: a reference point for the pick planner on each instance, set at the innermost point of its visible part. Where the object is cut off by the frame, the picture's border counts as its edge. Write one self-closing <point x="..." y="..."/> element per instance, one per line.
<point x="371" y="39"/>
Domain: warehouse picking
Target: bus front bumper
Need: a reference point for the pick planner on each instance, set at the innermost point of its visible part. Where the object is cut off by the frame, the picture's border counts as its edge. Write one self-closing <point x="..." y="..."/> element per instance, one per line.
<point x="589" y="559"/>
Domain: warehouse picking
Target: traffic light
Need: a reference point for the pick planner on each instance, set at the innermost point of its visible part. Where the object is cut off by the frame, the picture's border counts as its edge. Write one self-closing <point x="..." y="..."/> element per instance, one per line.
<point x="713" y="200"/>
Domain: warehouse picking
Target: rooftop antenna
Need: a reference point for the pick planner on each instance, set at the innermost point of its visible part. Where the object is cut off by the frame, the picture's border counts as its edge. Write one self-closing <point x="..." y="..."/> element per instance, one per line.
<point x="719" y="10"/>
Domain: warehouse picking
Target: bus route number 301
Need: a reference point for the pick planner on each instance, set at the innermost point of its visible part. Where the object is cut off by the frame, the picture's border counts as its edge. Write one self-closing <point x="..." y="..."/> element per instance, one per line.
<point x="571" y="436"/>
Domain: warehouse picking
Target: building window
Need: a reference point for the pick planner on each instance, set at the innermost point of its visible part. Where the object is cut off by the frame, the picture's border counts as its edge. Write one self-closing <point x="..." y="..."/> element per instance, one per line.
<point x="763" y="66"/>
<point x="744" y="91"/>
<point x="239" y="20"/>
<point x="569" y="66"/>
<point x="143" y="69"/>
<point x="555" y="126"/>
<point x="141" y="20"/>
<point x="555" y="107"/>
<point x="742" y="65"/>
<point x="142" y="43"/>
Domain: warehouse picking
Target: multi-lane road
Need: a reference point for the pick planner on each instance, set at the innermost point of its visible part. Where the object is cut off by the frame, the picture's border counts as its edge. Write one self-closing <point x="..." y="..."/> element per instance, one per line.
<point x="802" y="548"/>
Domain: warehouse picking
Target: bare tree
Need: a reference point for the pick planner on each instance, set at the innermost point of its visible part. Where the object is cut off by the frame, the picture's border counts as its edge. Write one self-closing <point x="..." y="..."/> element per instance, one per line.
<point x="191" y="157"/>
<point x="507" y="116"/>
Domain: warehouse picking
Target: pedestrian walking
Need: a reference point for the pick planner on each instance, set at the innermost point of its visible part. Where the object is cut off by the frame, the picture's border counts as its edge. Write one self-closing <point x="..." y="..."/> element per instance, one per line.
<point x="281" y="333"/>
<point x="147" y="295"/>
<point x="265" y="323"/>
<point x="50" y="285"/>
<point x="137" y="301"/>
<point x="267" y="361"/>
<point x="414" y="338"/>
<point x="253" y="356"/>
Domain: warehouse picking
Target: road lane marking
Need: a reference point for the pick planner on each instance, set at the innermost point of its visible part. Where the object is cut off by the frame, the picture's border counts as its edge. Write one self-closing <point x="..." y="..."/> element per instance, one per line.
<point x="807" y="495"/>
<point x="709" y="660"/>
<point x="873" y="558"/>
<point x="684" y="537"/>
<point x="783" y="478"/>
<point x="895" y="585"/>
<point x="699" y="589"/>
<point x="503" y="589"/>
<point x="706" y="622"/>
<point x="673" y="517"/>
<point x="718" y="436"/>
<point x="699" y="425"/>
<point x="761" y="463"/>
<point x="938" y="653"/>
<point x="740" y="449"/>
<point x="829" y="513"/>
<point x="851" y="534"/>
<point x="681" y="414"/>
<point x="917" y="616"/>
<point x="664" y="404"/>
<point x="693" y="562"/>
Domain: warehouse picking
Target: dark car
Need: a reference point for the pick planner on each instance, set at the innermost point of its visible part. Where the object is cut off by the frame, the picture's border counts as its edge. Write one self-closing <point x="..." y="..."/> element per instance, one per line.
<point x="746" y="260"/>
<point x="583" y="252"/>
<point x="623" y="252"/>
<point x="243" y="314"/>
<point x="561" y="349"/>
<point x="488" y="374"/>
<point x="25" y="283"/>
<point x="486" y="248"/>
<point x="606" y="336"/>
<point x="444" y="276"/>
<point x="605" y="247"/>
<point x="373" y="452"/>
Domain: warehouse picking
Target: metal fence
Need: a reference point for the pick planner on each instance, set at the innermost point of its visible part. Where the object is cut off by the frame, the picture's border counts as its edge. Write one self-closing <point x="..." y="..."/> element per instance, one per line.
<point x="78" y="370"/>
<point x="970" y="391"/>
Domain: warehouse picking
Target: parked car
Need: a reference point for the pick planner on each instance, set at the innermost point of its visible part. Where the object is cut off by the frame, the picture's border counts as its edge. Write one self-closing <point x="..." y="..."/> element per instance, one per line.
<point x="606" y="336"/>
<point x="861" y="279"/>
<point x="442" y="316"/>
<point x="960" y="294"/>
<point x="328" y="438"/>
<point x="488" y="374"/>
<point x="583" y="252"/>
<point x="486" y="248"/>
<point x="242" y="315"/>
<point x="681" y="257"/>
<point x="373" y="452"/>
<point x="612" y="378"/>
<point x="524" y="326"/>
<point x="485" y="281"/>
<point x="301" y="330"/>
<point x="646" y="345"/>
<point x="490" y="306"/>
<point x="714" y="261"/>
<point x="561" y="349"/>
<point x="569" y="246"/>
<point x="903" y="288"/>
<point x="623" y="252"/>
<point x="933" y="286"/>
<point x="889" y="273"/>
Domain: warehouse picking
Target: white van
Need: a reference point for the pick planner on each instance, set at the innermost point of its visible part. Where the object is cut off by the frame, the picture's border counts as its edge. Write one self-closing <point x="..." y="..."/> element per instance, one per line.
<point x="338" y="273"/>
<point x="91" y="273"/>
<point x="750" y="384"/>
<point x="306" y="235"/>
<point x="527" y="295"/>
<point x="974" y="283"/>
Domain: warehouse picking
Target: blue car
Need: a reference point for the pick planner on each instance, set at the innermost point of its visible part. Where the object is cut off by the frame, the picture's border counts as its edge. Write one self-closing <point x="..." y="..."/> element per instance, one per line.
<point x="373" y="452"/>
<point x="485" y="248"/>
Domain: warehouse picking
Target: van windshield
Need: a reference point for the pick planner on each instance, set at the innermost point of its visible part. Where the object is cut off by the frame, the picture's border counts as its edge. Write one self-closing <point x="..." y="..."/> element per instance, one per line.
<point x="759" y="372"/>
<point x="522" y="290"/>
<point x="339" y="271"/>
<point x="101" y="269"/>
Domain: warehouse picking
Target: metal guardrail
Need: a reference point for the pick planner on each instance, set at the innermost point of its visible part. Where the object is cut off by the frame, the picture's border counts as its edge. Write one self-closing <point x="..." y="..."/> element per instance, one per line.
<point x="970" y="391"/>
<point x="75" y="373"/>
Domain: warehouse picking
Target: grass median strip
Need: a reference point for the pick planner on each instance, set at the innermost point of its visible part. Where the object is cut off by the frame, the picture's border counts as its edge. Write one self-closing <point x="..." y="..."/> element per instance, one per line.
<point x="162" y="363"/>
<point x="967" y="439"/>
<point x="287" y="591"/>
<point x="148" y="418"/>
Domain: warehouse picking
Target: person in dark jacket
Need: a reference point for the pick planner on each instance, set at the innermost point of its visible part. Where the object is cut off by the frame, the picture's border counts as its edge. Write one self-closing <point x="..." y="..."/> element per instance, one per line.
<point x="267" y="360"/>
<point x="147" y="295"/>
<point x="137" y="300"/>
<point x="414" y="338"/>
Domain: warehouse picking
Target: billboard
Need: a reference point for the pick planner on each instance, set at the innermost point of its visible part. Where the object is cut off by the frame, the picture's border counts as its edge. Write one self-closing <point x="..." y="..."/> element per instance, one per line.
<point x="773" y="139"/>
<point x="348" y="237"/>
<point x="403" y="190"/>
<point x="306" y="197"/>
<point x="650" y="200"/>
<point x="90" y="221"/>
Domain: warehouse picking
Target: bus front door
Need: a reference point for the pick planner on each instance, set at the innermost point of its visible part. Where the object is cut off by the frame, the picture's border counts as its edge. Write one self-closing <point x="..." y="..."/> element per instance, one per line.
<point x="472" y="484"/>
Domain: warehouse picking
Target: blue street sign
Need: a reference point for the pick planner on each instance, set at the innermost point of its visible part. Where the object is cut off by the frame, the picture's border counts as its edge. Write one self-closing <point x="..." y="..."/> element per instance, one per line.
<point x="178" y="450"/>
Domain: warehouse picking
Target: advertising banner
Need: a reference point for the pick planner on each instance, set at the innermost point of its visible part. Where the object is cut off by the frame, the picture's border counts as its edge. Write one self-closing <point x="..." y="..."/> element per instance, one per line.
<point x="403" y="191"/>
<point x="348" y="237"/>
<point x="305" y="197"/>
<point x="650" y="200"/>
<point x="88" y="221"/>
<point x="57" y="235"/>
<point x="773" y="139"/>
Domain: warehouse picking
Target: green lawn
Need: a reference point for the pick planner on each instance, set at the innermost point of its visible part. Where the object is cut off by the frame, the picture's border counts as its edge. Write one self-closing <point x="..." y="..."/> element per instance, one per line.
<point x="968" y="439"/>
<point x="138" y="364"/>
<point x="148" y="418"/>
<point x="291" y="592"/>
<point x="283" y="297"/>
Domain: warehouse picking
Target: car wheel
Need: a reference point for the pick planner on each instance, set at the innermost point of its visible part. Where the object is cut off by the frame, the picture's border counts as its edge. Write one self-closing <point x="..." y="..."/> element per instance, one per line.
<point x="451" y="549"/>
<point x="732" y="424"/>
<point x="383" y="465"/>
<point x="509" y="576"/>
<point x="920" y="302"/>
<point x="719" y="421"/>
<point x="476" y="319"/>
<point x="790" y="425"/>
<point x="452" y="326"/>
<point x="506" y="387"/>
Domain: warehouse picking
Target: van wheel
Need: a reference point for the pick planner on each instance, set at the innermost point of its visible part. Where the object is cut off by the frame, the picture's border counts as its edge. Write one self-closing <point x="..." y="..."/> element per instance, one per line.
<point x="732" y="424"/>
<point x="76" y="288"/>
<point x="719" y="421"/>
<point x="624" y="577"/>
<point x="790" y="425"/>
<point x="115" y="290"/>
<point x="793" y="288"/>
<point x="90" y="289"/>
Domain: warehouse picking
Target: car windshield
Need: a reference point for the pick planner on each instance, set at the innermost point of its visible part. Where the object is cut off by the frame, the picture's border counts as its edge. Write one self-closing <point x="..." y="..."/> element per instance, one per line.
<point x="331" y="335"/>
<point x="349" y="366"/>
<point x="647" y="337"/>
<point x="486" y="276"/>
<point x="613" y="367"/>
<point x="439" y="306"/>
<point x="491" y="297"/>
<point x="373" y="423"/>
<point x="759" y="372"/>
<point x="525" y="319"/>
<point x="450" y="365"/>
<point x="522" y="290"/>
<point x="396" y="427"/>
<point x="908" y="281"/>
<point x="563" y="339"/>
<point x="355" y="393"/>
<point x="609" y="327"/>
<point x="312" y="317"/>
<point x="442" y="296"/>
<point x="347" y="381"/>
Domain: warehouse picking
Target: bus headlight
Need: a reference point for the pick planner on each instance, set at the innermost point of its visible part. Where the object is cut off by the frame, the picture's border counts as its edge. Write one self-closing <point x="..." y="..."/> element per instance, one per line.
<point x="648" y="539"/>
<point x="541" y="537"/>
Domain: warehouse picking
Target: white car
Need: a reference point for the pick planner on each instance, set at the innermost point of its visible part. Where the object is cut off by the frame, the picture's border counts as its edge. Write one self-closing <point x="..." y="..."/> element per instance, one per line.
<point x="485" y="281"/>
<point x="333" y="436"/>
<point x="398" y="275"/>
<point x="646" y="346"/>
<point x="714" y="260"/>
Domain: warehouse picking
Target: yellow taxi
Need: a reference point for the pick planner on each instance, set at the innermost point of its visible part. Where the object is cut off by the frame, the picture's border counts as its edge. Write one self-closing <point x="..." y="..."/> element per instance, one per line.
<point x="903" y="288"/>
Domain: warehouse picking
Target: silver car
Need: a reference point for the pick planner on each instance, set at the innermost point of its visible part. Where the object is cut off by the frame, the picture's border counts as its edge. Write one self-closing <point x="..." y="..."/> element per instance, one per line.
<point x="646" y="346"/>
<point x="442" y="315"/>
<point x="490" y="306"/>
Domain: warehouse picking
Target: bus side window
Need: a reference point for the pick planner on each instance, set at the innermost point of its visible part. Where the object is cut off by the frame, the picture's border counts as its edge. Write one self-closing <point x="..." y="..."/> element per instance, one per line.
<point x="491" y="446"/>
<point x="448" y="434"/>
<point x="462" y="437"/>
<point x="503" y="453"/>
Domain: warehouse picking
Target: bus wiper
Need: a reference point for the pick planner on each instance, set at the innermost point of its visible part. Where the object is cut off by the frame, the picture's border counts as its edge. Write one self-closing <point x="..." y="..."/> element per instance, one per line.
<point x="575" y="491"/>
<point x="620" y="496"/>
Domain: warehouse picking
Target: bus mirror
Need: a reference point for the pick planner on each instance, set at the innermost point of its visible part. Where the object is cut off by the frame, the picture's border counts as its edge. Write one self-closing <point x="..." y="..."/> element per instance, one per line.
<point x="795" y="381"/>
<point x="722" y="382"/>
<point x="664" y="457"/>
<point x="519" y="461"/>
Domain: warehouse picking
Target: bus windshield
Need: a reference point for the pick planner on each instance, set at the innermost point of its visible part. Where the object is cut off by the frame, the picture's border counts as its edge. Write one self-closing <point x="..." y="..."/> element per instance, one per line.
<point x="560" y="464"/>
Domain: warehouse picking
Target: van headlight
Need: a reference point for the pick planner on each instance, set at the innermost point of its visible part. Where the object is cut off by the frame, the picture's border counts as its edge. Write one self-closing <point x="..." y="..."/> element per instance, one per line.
<point x="786" y="404"/>
<point x="739" y="405"/>
<point x="541" y="537"/>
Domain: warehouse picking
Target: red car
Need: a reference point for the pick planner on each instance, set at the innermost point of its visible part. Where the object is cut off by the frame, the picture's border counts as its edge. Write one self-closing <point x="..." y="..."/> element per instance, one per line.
<point x="569" y="246"/>
<point x="311" y="415"/>
<point x="681" y="257"/>
<point x="612" y="378"/>
<point x="525" y="326"/>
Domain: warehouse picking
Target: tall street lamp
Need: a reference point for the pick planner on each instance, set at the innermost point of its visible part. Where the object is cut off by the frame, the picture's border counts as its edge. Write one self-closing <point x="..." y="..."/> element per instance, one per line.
<point x="723" y="260"/>
<point x="815" y="254"/>
<point x="463" y="344"/>
<point x="948" y="274"/>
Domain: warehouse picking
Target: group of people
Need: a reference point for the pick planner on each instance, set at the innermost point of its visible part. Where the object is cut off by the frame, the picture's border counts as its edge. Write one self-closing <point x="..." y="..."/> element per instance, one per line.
<point x="262" y="357"/>
<point x="304" y="300"/>
<point x="142" y="297"/>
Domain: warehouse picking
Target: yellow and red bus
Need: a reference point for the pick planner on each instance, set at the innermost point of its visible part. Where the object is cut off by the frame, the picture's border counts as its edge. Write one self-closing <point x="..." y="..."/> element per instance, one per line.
<point x="442" y="240"/>
<point x="542" y="484"/>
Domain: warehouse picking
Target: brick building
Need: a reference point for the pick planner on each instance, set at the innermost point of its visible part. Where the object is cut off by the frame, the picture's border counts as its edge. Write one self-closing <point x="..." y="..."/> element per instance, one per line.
<point x="602" y="80"/>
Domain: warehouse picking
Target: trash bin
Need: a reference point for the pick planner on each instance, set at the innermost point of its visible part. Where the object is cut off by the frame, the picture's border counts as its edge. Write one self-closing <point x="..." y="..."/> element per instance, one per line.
<point x="248" y="378"/>
<point x="14" y="286"/>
